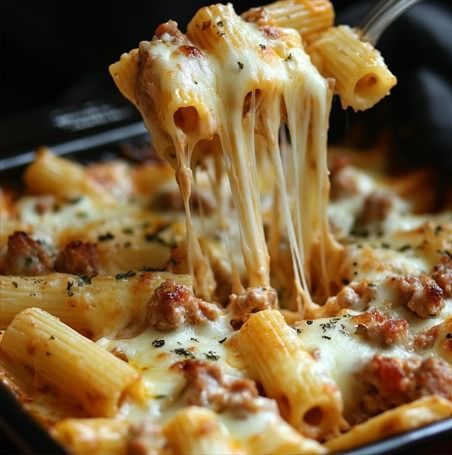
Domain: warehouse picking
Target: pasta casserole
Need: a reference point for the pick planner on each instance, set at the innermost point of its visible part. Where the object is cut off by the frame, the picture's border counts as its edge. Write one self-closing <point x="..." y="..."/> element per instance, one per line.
<point x="242" y="290"/>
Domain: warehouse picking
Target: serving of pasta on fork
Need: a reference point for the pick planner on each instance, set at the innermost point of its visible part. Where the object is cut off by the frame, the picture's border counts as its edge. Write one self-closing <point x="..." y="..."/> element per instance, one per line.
<point x="248" y="291"/>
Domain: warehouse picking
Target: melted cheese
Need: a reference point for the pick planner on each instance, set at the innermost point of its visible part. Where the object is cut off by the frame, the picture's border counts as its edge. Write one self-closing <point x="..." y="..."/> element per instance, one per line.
<point x="341" y="352"/>
<point x="219" y="103"/>
<point x="226" y="88"/>
<point x="201" y="342"/>
<point x="164" y="384"/>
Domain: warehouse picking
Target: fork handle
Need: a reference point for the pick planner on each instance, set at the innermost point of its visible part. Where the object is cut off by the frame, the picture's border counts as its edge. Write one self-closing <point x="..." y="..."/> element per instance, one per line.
<point x="382" y="15"/>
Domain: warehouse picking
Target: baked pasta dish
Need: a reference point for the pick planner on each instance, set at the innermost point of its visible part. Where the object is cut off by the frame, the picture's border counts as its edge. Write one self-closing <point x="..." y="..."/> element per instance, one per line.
<point x="246" y="292"/>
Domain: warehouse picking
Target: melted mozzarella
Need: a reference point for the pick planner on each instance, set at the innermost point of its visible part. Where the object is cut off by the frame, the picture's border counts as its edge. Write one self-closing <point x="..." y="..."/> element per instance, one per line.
<point x="341" y="353"/>
<point x="226" y="88"/>
<point x="374" y="262"/>
<point x="153" y="353"/>
<point x="383" y="301"/>
<point x="164" y="384"/>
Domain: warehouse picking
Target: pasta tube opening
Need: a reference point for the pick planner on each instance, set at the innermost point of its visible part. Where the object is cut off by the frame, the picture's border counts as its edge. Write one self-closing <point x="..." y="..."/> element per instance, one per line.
<point x="187" y="119"/>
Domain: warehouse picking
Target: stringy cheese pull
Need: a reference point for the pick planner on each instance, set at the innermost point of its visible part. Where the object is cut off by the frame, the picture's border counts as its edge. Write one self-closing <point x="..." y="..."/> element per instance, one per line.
<point x="268" y="67"/>
<point x="226" y="88"/>
<point x="175" y="92"/>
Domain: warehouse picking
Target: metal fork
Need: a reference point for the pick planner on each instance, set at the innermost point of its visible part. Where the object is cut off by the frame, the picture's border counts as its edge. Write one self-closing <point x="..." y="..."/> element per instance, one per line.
<point x="382" y="15"/>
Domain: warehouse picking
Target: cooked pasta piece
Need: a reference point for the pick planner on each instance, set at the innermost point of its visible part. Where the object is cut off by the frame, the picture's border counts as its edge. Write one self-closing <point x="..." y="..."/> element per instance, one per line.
<point x="95" y="306"/>
<point x="47" y="405"/>
<point x="63" y="178"/>
<point x="198" y="431"/>
<point x="149" y="179"/>
<point x="281" y="438"/>
<point x="361" y="75"/>
<point x="232" y="81"/>
<point x="138" y="254"/>
<point x="308" y="17"/>
<point x="185" y="109"/>
<point x="403" y="418"/>
<point x="96" y="436"/>
<point x="307" y="398"/>
<point x="69" y="361"/>
<point x="17" y="379"/>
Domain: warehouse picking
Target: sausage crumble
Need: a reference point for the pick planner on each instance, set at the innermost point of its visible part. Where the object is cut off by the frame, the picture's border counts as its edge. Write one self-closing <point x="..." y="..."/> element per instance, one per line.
<point x="208" y="387"/>
<point x="173" y="304"/>
<point x="26" y="256"/>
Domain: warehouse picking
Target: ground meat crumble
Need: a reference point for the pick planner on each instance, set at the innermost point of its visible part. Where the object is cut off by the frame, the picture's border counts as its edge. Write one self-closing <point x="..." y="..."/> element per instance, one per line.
<point x="442" y="274"/>
<point x="378" y="328"/>
<point x="79" y="258"/>
<point x="390" y="382"/>
<point x="421" y="294"/>
<point x="207" y="386"/>
<point x="173" y="304"/>
<point x="26" y="256"/>
<point x="145" y="438"/>
<point x="375" y="209"/>
<point x="251" y="301"/>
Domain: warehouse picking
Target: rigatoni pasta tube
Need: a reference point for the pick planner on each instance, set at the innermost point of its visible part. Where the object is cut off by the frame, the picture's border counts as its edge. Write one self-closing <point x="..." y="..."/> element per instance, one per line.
<point x="198" y="431"/>
<point x="403" y="418"/>
<point x="56" y="405"/>
<point x="308" y="17"/>
<point x="63" y="178"/>
<point x="280" y="438"/>
<point x="179" y="104"/>
<point x="62" y="357"/>
<point x="306" y="397"/>
<point x="95" y="436"/>
<point x="94" y="307"/>
<point x="361" y="75"/>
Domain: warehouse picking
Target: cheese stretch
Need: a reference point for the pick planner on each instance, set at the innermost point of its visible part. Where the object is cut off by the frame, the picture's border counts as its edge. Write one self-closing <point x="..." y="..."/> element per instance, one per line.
<point x="223" y="94"/>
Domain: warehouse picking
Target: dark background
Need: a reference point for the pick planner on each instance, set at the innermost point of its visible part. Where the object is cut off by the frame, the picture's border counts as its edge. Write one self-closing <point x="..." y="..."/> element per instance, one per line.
<point x="57" y="53"/>
<point x="53" y="51"/>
